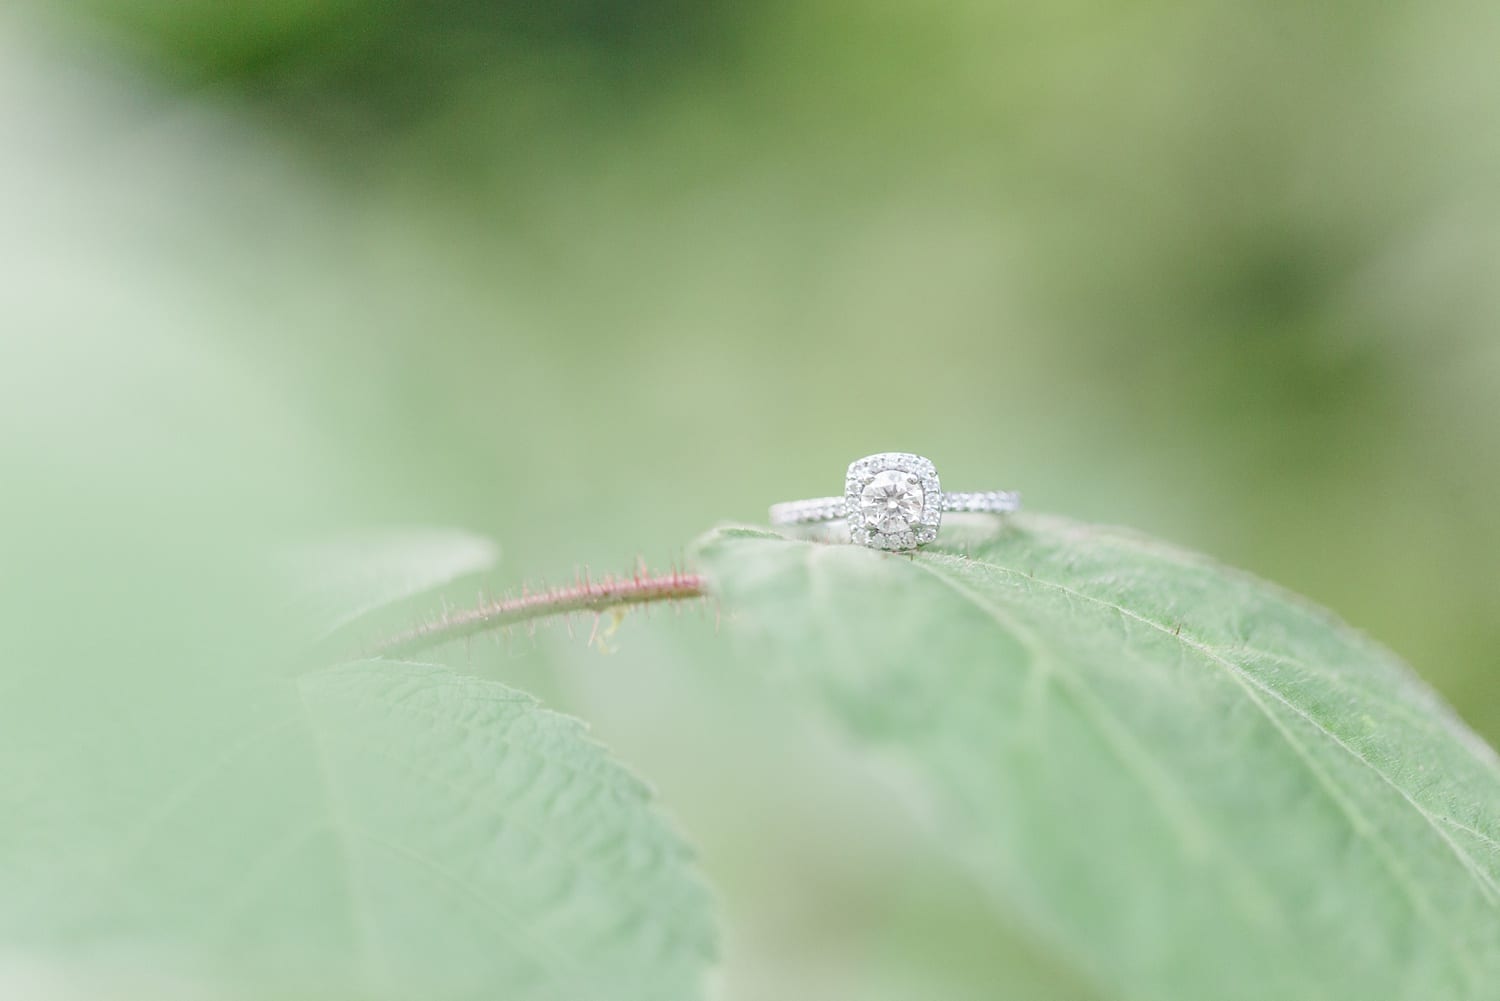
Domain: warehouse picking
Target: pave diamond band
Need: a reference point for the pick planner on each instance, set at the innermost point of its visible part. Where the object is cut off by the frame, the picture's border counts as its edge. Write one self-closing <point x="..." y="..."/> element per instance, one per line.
<point x="892" y="501"/>
<point x="808" y="512"/>
<point x="983" y="502"/>
<point x="822" y="509"/>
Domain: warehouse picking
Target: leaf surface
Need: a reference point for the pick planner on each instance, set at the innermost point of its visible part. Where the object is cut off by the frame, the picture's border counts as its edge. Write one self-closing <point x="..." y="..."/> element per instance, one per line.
<point x="374" y="830"/>
<point x="1190" y="782"/>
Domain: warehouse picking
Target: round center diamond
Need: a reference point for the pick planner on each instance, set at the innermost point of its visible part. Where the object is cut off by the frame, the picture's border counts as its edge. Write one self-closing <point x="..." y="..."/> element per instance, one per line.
<point x="891" y="502"/>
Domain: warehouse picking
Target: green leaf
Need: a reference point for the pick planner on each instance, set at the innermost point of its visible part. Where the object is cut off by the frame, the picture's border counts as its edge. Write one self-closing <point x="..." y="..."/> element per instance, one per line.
<point x="374" y="830"/>
<point x="339" y="581"/>
<point x="1191" y="783"/>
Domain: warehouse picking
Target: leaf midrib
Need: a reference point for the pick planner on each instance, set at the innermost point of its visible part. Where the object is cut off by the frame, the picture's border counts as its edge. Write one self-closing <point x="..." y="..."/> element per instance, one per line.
<point x="377" y="978"/>
<point x="1360" y="825"/>
<point x="1160" y="781"/>
<point x="1208" y="652"/>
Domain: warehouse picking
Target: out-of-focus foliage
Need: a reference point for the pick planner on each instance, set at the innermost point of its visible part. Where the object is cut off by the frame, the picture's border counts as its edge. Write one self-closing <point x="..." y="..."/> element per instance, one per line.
<point x="234" y="829"/>
<point x="590" y="277"/>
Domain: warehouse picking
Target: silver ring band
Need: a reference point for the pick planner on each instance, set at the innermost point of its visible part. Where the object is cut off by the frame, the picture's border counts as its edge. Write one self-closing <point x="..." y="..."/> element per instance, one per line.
<point x="823" y="509"/>
<point x="892" y="500"/>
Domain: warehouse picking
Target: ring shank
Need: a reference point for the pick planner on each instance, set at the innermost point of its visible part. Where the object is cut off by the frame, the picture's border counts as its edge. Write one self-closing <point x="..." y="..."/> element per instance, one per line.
<point x="983" y="502"/>
<point x="808" y="512"/>
<point x="822" y="509"/>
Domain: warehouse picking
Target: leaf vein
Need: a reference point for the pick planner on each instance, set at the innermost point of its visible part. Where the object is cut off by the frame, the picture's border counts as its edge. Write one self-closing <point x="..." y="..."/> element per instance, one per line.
<point x="1361" y="825"/>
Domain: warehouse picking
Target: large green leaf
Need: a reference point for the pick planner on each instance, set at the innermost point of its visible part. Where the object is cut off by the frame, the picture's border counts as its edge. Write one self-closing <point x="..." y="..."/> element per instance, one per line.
<point x="375" y="830"/>
<point x="1192" y="784"/>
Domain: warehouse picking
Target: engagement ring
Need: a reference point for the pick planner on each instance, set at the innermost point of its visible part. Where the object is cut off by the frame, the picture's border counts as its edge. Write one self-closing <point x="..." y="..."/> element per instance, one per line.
<point x="892" y="501"/>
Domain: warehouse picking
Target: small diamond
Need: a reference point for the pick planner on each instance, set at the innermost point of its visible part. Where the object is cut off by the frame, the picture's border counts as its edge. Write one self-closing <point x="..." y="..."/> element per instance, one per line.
<point x="891" y="501"/>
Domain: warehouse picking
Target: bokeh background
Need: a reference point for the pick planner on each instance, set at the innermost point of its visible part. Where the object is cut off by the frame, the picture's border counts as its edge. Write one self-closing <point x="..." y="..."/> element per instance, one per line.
<point x="594" y="275"/>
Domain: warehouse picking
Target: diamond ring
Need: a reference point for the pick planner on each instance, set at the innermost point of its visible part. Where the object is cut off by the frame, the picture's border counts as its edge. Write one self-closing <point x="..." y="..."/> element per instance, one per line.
<point x="892" y="501"/>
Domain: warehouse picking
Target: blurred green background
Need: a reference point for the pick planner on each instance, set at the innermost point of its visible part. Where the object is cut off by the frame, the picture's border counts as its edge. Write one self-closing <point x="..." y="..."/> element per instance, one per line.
<point x="592" y="276"/>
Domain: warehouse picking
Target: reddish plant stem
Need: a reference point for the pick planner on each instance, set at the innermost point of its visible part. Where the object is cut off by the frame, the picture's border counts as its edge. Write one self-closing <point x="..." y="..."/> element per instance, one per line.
<point x="584" y="596"/>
